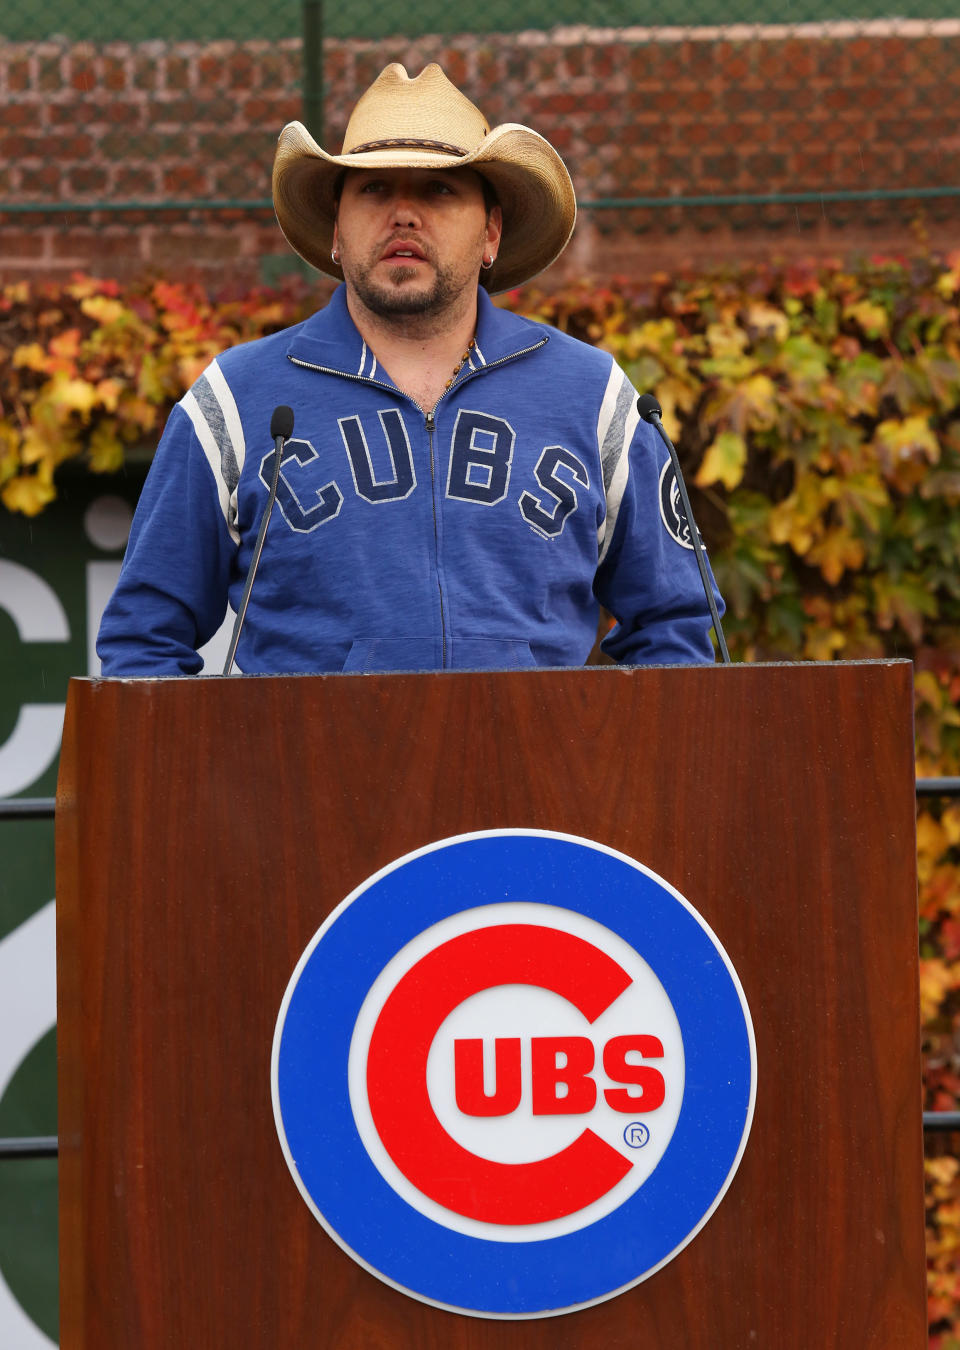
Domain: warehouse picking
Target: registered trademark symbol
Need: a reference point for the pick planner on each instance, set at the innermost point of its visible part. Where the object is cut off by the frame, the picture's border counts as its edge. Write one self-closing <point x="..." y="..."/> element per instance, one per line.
<point x="636" y="1134"/>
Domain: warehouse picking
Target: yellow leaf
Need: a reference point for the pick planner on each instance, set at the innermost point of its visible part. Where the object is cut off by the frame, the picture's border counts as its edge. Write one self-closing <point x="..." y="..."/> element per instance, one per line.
<point x="836" y="553"/>
<point x="68" y="396"/>
<point x="872" y="319"/>
<point x="948" y="283"/>
<point x="105" y="450"/>
<point x="788" y="528"/>
<point x="943" y="1170"/>
<point x="724" y="461"/>
<point x="34" y="446"/>
<point x="656" y="335"/>
<point x="138" y="412"/>
<point x="27" y="494"/>
<point x="108" y="393"/>
<point x="931" y="841"/>
<point x="668" y="403"/>
<point x="46" y="446"/>
<point x="823" y="644"/>
<point x="766" y="319"/>
<point x="682" y="394"/>
<point x="797" y="519"/>
<point x="190" y="368"/>
<point x="909" y="439"/>
<point x="927" y="689"/>
<point x="150" y="379"/>
<point x="936" y="982"/>
<point x="749" y="404"/>
<point x="103" y="309"/>
<point x="66" y="345"/>
<point x="82" y="286"/>
<point x="726" y="339"/>
<point x="31" y="356"/>
<point x="760" y="395"/>
<point x="9" y="444"/>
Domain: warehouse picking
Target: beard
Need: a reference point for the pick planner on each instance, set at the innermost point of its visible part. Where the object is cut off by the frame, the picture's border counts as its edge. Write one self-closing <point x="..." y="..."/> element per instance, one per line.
<point x="411" y="291"/>
<point x="404" y="292"/>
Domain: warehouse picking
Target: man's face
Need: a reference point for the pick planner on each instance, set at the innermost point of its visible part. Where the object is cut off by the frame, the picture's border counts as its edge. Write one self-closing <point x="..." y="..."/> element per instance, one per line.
<point x="411" y="240"/>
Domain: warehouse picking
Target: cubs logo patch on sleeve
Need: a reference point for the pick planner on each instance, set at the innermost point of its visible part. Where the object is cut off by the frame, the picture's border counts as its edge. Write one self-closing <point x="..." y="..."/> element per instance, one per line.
<point x="513" y="1074"/>
<point x="671" y="508"/>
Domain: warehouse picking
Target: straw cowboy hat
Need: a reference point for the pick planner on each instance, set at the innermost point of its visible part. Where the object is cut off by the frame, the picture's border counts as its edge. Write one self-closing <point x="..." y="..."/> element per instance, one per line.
<point x="426" y="123"/>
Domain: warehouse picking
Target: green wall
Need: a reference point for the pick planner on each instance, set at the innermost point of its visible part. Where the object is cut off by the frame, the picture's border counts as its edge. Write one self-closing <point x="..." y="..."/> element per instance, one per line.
<point x="55" y="572"/>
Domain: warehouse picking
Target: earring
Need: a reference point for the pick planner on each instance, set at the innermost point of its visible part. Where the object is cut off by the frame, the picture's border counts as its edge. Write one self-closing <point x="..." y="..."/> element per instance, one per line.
<point x="334" y="257"/>
<point x="486" y="262"/>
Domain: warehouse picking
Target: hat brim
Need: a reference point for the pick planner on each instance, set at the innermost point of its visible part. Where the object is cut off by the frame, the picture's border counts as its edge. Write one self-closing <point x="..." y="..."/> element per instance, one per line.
<point x="529" y="177"/>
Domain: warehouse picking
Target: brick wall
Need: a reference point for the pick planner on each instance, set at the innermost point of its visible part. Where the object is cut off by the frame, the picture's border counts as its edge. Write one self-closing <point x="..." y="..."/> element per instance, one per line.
<point x="635" y="113"/>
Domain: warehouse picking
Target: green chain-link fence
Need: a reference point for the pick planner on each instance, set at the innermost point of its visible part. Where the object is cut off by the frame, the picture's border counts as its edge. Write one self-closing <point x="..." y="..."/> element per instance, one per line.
<point x="774" y="115"/>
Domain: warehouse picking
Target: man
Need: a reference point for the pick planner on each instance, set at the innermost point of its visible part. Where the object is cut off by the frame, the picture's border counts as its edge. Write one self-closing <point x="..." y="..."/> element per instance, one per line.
<point x="463" y="487"/>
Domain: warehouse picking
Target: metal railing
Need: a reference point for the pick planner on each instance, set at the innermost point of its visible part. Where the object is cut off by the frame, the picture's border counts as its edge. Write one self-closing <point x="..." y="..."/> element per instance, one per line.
<point x="749" y="104"/>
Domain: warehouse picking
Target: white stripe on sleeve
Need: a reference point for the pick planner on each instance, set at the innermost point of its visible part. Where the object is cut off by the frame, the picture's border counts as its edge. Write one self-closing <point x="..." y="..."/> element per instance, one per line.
<point x="616" y="424"/>
<point x="211" y="450"/>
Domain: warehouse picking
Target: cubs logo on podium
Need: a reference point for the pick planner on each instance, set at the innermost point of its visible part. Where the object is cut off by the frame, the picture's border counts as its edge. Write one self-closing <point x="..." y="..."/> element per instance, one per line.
<point x="514" y="1073"/>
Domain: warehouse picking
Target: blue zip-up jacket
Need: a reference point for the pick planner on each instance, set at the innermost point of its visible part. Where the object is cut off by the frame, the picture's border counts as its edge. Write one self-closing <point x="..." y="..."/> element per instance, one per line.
<point x="479" y="536"/>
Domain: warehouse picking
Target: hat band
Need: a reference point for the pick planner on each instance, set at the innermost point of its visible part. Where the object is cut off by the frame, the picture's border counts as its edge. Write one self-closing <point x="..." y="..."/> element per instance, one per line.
<point x="397" y="144"/>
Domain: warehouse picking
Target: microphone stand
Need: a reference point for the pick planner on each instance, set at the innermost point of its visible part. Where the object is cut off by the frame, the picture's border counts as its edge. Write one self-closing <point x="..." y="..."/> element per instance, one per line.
<point x="281" y="429"/>
<point x="650" y="410"/>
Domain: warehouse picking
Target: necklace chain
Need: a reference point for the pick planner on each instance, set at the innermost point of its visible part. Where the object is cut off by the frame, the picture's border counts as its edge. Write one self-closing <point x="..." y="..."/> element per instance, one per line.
<point x="461" y="363"/>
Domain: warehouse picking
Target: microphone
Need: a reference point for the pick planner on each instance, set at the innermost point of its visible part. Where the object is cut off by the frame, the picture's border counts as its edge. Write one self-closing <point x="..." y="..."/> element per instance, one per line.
<point x="281" y="429"/>
<point x="281" y="424"/>
<point x="650" y="410"/>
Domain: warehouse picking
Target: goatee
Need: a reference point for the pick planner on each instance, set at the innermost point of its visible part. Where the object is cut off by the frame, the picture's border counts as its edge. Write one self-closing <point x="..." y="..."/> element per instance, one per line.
<point x="403" y="295"/>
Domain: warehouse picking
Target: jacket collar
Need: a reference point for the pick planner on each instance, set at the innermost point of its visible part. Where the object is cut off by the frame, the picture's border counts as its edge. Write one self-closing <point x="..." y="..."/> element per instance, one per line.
<point x="330" y="339"/>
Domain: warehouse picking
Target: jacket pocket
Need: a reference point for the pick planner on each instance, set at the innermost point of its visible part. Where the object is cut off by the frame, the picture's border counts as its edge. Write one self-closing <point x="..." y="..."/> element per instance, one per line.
<point x="491" y="654"/>
<point x="368" y="655"/>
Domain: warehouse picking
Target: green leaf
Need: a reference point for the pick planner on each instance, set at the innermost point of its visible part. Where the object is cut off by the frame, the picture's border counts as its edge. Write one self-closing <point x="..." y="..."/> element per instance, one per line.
<point x="724" y="461"/>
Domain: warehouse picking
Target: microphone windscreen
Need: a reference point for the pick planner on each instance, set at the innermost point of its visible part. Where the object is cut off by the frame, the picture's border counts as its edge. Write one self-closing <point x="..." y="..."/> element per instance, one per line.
<point x="647" y="405"/>
<point x="281" y="423"/>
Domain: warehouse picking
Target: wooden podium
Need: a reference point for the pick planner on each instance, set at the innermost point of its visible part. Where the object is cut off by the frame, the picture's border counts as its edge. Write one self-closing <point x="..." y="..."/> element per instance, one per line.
<point x="206" y="827"/>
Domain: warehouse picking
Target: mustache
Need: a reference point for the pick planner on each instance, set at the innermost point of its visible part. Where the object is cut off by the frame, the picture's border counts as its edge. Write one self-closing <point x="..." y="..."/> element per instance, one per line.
<point x="407" y="237"/>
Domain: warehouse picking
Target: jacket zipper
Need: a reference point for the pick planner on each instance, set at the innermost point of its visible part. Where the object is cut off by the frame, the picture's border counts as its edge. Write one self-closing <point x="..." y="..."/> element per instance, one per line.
<point x="430" y="425"/>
